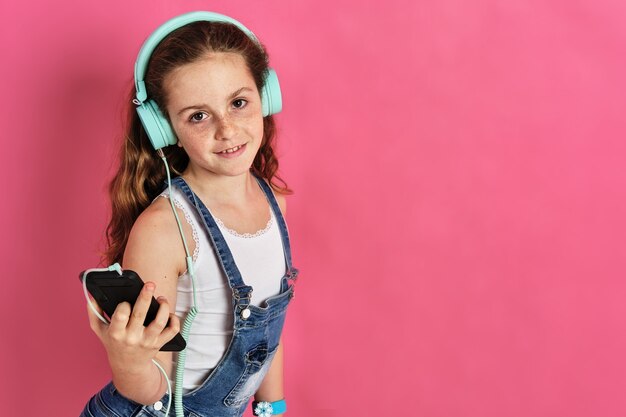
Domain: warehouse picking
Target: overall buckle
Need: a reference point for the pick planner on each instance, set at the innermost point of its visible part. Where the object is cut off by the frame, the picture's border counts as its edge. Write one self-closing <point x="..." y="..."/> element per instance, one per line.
<point x="292" y="274"/>
<point x="243" y="295"/>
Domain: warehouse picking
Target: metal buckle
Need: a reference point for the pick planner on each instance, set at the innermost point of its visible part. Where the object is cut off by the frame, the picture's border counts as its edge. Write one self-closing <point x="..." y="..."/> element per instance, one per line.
<point x="246" y="290"/>
<point x="292" y="274"/>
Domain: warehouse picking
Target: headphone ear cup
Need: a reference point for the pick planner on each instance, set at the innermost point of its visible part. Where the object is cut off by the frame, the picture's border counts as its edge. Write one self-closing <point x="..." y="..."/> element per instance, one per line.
<point x="156" y="125"/>
<point x="271" y="97"/>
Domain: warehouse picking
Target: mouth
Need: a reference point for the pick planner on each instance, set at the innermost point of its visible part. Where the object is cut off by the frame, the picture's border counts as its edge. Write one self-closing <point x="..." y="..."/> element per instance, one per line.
<point x="230" y="150"/>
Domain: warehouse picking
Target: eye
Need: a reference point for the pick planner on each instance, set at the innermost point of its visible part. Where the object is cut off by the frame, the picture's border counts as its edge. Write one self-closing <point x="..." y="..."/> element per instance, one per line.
<point x="198" y="117"/>
<point x="240" y="103"/>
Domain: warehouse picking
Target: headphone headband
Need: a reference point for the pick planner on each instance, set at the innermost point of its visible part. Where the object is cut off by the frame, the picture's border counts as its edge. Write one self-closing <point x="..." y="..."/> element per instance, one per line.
<point x="148" y="47"/>
<point x="155" y="123"/>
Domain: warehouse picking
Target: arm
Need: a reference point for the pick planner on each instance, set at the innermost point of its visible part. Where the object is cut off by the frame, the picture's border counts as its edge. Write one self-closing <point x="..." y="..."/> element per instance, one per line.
<point x="271" y="388"/>
<point x="155" y="252"/>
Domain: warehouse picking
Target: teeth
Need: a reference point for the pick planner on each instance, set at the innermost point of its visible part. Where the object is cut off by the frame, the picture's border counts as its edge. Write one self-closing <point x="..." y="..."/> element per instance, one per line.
<point x="231" y="150"/>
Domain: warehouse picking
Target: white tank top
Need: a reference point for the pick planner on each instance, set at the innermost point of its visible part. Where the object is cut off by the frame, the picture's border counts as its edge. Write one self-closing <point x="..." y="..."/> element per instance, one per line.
<point x="261" y="261"/>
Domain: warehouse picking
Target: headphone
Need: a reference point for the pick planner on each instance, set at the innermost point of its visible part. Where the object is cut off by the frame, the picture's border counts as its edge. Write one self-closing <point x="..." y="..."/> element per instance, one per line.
<point x="157" y="127"/>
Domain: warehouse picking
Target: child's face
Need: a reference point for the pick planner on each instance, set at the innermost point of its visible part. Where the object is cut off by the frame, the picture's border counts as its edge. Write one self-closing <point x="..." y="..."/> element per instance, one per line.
<point x="215" y="110"/>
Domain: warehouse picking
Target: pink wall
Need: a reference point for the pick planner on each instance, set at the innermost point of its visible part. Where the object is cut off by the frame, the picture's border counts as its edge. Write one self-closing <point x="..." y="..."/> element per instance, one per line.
<point x="459" y="208"/>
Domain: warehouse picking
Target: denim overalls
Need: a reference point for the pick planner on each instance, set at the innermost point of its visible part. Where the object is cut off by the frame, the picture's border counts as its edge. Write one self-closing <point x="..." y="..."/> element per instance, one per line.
<point x="256" y="333"/>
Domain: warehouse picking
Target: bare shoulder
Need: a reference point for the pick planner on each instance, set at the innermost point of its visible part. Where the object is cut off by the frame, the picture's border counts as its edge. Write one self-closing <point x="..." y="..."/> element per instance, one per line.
<point x="156" y="220"/>
<point x="154" y="243"/>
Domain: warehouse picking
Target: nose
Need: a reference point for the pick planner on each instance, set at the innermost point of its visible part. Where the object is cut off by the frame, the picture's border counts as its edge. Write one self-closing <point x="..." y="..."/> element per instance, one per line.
<point x="225" y="128"/>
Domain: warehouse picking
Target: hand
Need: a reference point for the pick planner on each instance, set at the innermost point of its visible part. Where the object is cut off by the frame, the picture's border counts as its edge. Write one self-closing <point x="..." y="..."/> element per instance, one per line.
<point x="129" y="345"/>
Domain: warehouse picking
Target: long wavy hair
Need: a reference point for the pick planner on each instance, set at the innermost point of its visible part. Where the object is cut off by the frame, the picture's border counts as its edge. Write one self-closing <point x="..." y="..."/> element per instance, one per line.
<point x="141" y="174"/>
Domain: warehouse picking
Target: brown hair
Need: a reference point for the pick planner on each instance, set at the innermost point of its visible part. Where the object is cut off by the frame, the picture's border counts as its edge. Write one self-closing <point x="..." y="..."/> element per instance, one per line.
<point x="141" y="174"/>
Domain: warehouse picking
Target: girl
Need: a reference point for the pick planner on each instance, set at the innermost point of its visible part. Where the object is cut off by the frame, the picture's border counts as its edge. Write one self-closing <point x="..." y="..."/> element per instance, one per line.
<point x="205" y="95"/>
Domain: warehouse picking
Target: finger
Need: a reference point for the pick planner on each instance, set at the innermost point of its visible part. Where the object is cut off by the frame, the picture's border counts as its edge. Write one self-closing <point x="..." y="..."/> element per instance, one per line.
<point x="140" y="309"/>
<point x="170" y="331"/>
<point x="155" y="327"/>
<point x="119" y="320"/>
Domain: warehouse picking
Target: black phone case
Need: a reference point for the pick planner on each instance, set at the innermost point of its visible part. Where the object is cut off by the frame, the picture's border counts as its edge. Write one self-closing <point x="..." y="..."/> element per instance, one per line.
<point x="109" y="289"/>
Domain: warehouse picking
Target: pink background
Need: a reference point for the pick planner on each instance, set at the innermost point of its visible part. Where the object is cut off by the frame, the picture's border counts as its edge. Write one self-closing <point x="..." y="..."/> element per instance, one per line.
<point x="458" y="216"/>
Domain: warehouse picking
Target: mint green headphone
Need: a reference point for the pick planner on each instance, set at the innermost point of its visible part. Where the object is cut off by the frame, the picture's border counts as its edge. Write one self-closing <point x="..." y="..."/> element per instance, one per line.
<point x="154" y="122"/>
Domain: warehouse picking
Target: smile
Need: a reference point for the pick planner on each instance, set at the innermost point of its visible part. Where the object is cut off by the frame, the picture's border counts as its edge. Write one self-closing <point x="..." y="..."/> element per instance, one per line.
<point x="231" y="150"/>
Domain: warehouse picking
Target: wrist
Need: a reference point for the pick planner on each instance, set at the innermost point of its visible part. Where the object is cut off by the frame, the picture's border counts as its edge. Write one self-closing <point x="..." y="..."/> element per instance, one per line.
<point x="133" y="370"/>
<point x="144" y="385"/>
<point x="268" y="409"/>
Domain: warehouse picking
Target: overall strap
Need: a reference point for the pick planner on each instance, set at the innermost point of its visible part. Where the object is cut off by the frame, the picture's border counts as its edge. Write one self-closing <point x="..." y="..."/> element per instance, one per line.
<point x="241" y="293"/>
<point x="282" y="225"/>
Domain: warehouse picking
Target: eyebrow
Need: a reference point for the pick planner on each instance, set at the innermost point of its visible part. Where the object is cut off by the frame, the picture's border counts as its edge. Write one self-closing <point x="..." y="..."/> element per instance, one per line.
<point x="201" y="105"/>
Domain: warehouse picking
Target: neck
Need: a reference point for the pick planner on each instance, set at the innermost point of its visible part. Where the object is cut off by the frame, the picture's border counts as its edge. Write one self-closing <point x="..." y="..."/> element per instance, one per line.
<point x="220" y="189"/>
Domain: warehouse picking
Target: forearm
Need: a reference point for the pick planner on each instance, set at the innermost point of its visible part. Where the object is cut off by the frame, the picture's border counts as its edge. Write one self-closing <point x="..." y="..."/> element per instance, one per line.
<point x="144" y="384"/>
<point x="131" y="347"/>
<point x="272" y="387"/>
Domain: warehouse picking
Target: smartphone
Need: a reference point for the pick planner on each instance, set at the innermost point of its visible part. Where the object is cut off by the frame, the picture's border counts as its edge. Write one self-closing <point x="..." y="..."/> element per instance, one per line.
<point x="109" y="288"/>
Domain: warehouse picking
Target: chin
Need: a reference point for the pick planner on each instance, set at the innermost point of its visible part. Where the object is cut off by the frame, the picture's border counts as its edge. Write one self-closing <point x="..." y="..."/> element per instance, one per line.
<point x="235" y="172"/>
